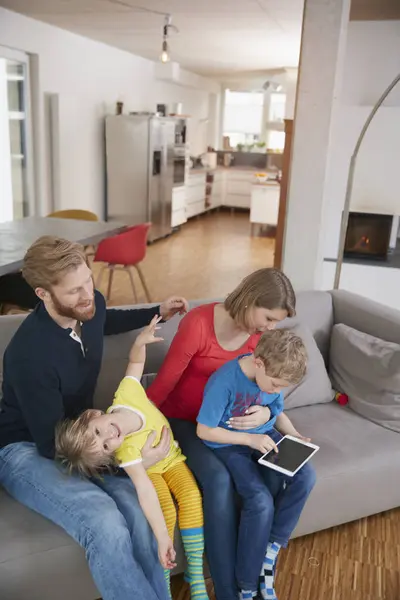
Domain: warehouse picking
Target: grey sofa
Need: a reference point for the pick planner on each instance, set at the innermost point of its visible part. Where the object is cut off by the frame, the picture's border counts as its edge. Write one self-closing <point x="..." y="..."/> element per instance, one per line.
<point x="358" y="466"/>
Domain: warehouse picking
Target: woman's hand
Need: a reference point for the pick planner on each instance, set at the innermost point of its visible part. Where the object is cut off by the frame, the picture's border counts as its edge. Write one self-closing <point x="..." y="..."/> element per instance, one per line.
<point x="151" y="455"/>
<point x="166" y="553"/>
<point x="255" y="417"/>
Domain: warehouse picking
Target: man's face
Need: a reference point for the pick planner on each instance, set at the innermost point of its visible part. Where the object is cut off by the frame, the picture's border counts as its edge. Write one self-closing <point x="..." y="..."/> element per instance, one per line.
<point x="73" y="297"/>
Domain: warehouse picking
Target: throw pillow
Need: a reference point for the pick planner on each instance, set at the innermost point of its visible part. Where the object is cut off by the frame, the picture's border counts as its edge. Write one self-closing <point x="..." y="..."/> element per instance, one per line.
<point x="316" y="387"/>
<point x="367" y="369"/>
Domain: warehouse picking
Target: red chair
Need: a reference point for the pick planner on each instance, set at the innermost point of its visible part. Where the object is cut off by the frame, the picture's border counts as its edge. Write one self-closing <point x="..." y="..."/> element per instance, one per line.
<point x="122" y="252"/>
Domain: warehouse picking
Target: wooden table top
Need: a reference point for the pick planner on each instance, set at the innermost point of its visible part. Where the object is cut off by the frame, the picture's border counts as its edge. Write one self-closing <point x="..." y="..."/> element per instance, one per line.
<point x="17" y="236"/>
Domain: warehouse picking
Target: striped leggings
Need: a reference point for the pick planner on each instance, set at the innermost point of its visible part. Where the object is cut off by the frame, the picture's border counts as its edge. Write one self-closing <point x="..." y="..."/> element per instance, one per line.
<point x="179" y="482"/>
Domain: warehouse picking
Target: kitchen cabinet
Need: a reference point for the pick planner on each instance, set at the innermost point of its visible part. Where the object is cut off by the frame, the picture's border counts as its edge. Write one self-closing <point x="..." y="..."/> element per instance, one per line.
<point x="264" y="204"/>
<point x="238" y="184"/>
<point x="178" y="211"/>
<point x="195" y="194"/>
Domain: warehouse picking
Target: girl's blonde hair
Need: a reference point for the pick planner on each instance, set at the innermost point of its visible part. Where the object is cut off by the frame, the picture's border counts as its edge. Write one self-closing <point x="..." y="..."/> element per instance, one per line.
<point x="76" y="447"/>
<point x="266" y="288"/>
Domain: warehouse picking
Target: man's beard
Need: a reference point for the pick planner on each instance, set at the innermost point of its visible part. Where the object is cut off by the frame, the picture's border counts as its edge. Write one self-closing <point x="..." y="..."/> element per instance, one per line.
<point x="79" y="313"/>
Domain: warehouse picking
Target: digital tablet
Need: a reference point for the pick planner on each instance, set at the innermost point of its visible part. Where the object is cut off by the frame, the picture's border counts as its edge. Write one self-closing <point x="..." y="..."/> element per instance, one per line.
<point x="293" y="454"/>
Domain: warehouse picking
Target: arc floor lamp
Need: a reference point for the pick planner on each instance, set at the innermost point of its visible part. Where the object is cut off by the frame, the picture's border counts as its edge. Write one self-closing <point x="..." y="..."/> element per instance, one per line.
<point x="350" y="179"/>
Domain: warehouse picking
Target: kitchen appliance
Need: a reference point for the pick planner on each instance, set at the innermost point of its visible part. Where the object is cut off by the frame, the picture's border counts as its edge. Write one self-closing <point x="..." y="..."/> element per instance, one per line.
<point x="140" y="171"/>
<point x="179" y="170"/>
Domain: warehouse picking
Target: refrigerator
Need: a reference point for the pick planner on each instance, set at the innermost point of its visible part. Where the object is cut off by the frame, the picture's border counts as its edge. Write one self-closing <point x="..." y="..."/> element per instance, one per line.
<point x="139" y="171"/>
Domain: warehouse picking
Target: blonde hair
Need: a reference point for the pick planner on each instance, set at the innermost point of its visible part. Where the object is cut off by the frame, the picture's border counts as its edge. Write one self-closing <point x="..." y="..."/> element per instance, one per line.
<point x="76" y="447"/>
<point x="265" y="288"/>
<point x="49" y="259"/>
<point x="283" y="354"/>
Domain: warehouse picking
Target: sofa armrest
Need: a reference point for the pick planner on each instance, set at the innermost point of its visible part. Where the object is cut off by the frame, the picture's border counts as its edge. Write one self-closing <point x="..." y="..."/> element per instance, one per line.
<point x="366" y="315"/>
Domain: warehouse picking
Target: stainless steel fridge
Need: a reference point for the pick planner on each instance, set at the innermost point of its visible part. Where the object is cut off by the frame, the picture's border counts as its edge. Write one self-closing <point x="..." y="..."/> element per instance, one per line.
<point x="139" y="171"/>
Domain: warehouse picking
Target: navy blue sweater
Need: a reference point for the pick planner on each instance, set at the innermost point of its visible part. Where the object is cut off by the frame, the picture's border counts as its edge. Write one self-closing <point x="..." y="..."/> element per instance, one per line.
<point x="47" y="376"/>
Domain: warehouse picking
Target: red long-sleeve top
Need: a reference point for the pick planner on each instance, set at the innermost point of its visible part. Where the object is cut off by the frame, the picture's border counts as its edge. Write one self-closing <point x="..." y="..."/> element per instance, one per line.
<point x="193" y="357"/>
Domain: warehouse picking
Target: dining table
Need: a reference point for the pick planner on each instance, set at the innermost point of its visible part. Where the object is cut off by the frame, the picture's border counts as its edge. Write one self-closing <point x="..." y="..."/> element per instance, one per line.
<point x="17" y="236"/>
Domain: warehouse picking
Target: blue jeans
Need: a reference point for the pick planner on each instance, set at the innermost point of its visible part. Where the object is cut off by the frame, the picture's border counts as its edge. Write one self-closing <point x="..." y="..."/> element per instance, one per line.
<point x="221" y="511"/>
<point x="220" y="508"/>
<point x="271" y="506"/>
<point x="104" y="517"/>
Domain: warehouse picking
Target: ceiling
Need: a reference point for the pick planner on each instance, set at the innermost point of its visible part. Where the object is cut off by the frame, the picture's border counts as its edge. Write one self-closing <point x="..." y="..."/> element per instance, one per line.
<point x="215" y="37"/>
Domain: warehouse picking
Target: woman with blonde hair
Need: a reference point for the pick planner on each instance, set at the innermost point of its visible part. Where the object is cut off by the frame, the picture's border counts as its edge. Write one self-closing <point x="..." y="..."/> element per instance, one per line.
<point x="208" y="337"/>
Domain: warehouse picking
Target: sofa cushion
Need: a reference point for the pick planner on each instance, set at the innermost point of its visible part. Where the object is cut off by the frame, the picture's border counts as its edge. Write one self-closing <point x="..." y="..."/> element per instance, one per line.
<point x="367" y="369"/>
<point x="357" y="466"/>
<point x="316" y="387"/>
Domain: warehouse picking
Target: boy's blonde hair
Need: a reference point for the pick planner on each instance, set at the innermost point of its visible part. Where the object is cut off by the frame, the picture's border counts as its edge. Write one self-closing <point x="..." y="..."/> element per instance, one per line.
<point x="266" y="288"/>
<point x="49" y="259"/>
<point x="76" y="447"/>
<point x="283" y="354"/>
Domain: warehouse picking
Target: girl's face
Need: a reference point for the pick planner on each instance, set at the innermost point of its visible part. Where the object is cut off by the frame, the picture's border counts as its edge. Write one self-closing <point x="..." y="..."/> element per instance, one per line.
<point x="263" y="319"/>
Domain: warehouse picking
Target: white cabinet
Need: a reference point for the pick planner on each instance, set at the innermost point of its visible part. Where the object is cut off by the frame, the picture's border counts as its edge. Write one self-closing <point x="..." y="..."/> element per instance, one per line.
<point x="178" y="213"/>
<point x="195" y="194"/>
<point x="265" y="203"/>
<point x="238" y="187"/>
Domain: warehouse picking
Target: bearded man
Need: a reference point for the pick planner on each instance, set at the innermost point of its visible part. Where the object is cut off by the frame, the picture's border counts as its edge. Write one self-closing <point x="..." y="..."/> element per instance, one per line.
<point x="51" y="368"/>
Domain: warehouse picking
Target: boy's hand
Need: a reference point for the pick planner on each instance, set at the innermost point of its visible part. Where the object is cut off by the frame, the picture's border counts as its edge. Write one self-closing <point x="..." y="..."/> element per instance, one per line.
<point x="302" y="438"/>
<point x="147" y="335"/>
<point x="262" y="443"/>
<point x="166" y="553"/>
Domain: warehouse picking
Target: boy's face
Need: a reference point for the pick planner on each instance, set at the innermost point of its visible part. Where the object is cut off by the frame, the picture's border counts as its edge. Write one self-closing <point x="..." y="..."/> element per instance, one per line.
<point x="107" y="433"/>
<point x="270" y="385"/>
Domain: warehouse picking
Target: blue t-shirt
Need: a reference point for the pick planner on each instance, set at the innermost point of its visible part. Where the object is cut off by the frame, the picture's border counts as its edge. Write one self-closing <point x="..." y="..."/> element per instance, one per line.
<point x="229" y="393"/>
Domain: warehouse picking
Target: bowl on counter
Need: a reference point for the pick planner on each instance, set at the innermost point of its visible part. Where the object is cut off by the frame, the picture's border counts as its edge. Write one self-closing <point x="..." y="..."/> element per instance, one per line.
<point x="261" y="177"/>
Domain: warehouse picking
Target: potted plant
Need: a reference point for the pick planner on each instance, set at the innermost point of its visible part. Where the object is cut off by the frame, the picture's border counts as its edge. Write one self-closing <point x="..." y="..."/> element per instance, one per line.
<point x="240" y="147"/>
<point x="261" y="146"/>
<point x="250" y="147"/>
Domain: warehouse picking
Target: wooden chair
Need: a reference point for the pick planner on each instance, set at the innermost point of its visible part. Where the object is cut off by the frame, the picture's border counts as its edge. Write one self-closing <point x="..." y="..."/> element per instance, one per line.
<point x="124" y="252"/>
<point x="74" y="213"/>
<point x="79" y="215"/>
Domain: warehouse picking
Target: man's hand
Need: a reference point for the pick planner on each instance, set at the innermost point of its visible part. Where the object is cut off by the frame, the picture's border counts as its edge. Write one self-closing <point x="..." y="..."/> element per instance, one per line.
<point x="255" y="417"/>
<point x="262" y="443"/>
<point x="166" y="552"/>
<point x="151" y="455"/>
<point x="176" y="305"/>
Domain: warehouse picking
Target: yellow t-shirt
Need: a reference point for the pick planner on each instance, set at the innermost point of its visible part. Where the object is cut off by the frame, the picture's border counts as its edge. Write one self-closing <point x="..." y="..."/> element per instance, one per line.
<point x="131" y="395"/>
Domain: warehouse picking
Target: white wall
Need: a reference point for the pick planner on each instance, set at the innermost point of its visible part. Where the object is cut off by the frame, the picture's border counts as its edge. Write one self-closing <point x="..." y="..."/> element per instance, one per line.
<point x="89" y="78"/>
<point x="372" y="61"/>
<point x="381" y="284"/>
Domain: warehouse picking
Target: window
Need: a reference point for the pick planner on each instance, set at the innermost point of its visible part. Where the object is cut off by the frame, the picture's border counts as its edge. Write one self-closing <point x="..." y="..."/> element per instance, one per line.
<point x="243" y="117"/>
<point x="277" y="105"/>
<point x="276" y="140"/>
<point x="15" y="147"/>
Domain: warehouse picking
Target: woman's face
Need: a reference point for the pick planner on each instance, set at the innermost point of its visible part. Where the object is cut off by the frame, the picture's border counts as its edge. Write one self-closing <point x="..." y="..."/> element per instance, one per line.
<point x="263" y="319"/>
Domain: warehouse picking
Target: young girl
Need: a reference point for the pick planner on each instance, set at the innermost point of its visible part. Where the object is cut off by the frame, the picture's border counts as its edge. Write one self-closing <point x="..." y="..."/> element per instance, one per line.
<point x="96" y="440"/>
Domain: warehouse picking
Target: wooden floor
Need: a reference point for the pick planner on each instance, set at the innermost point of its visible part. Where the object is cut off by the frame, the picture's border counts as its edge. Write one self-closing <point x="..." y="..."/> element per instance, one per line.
<point x="207" y="258"/>
<point x="357" y="561"/>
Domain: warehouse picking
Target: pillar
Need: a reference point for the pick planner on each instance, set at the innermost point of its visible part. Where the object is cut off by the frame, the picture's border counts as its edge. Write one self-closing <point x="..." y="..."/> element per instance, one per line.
<point x="320" y="72"/>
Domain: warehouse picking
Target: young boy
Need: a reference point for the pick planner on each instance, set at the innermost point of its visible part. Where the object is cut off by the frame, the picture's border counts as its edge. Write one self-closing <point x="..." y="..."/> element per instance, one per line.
<point x="96" y="440"/>
<point x="267" y="519"/>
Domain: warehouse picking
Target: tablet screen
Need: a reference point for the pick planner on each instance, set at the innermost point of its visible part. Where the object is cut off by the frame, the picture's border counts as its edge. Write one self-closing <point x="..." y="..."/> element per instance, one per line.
<point x="290" y="456"/>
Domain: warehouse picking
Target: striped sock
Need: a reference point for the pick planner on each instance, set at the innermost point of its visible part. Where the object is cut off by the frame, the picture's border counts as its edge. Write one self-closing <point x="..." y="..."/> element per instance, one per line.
<point x="247" y="595"/>
<point x="193" y="543"/>
<point x="167" y="575"/>
<point x="267" y="575"/>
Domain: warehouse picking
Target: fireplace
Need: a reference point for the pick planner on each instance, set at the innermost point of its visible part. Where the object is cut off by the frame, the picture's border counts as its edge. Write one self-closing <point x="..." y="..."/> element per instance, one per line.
<point x="368" y="236"/>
